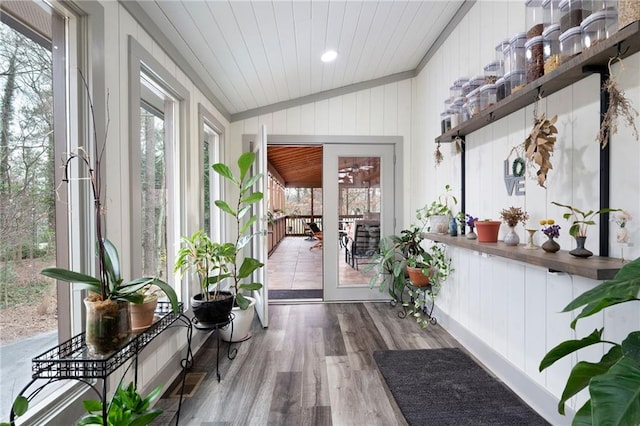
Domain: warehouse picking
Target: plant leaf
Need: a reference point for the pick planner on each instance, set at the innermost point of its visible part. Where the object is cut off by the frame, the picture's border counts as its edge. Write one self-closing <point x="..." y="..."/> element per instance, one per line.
<point x="242" y="301"/>
<point x="583" y="415"/>
<point x="631" y="346"/>
<point x="615" y="396"/>
<point x="224" y="170"/>
<point x="245" y="161"/>
<point x="222" y="205"/>
<point x="85" y="281"/>
<point x="20" y="405"/>
<point x="568" y="347"/>
<point x="251" y="286"/>
<point x="249" y="264"/>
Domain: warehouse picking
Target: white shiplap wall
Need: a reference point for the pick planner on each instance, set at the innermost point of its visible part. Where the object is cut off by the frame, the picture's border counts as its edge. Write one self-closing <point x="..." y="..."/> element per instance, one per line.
<point x="508" y="312"/>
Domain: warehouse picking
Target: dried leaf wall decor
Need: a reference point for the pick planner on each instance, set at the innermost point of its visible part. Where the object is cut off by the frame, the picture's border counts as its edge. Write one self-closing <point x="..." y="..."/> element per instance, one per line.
<point x="539" y="146"/>
<point x="619" y="107"/>
<point x="437" y="155"/>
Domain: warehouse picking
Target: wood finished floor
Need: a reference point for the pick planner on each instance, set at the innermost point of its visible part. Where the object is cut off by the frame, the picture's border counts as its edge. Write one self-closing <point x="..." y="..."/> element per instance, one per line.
<point x="312" y="366"/>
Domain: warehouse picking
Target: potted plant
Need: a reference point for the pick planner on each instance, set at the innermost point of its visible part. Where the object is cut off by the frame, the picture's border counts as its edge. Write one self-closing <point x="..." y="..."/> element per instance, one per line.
<point x="143" y="314"/>
<point x="614" y="381"/>
<point x="580" y="222"/>
<point x="108" y="323"/>
<point x="209" y="260"/>
<point x="512" y="216"/>
<point x="241" y="268"/>
<point x="487" y="230"/>
<point x="439" y="212"/>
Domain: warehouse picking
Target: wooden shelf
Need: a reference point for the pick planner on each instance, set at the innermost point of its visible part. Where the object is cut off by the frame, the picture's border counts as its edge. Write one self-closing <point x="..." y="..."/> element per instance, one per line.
<point x="595" y="267"/>
<point x="625" y="42"/>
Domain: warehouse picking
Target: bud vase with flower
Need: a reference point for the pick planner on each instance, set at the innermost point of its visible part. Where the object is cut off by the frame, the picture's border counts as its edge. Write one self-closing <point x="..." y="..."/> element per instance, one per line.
<point x="551" y="230"/>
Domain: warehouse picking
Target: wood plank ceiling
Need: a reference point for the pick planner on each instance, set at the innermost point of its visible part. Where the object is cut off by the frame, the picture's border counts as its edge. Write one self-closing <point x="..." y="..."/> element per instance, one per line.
<point x="298" y="166"/>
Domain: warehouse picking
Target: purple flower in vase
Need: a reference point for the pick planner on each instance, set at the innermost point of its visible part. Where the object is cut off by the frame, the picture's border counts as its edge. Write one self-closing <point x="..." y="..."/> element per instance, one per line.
<point x="550" y="229"/>
<point x="471" y="221"/>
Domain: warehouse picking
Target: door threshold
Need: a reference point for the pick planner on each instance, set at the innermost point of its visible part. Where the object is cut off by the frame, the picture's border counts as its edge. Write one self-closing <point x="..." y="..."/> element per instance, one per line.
<point x="294" y="301"/>
<point x="295" y="294"/>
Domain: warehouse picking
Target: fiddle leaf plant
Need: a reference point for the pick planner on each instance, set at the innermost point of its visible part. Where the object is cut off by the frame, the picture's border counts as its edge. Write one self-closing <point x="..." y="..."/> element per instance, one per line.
<point x="241" y="211"/>
<point x="614" y="381"/>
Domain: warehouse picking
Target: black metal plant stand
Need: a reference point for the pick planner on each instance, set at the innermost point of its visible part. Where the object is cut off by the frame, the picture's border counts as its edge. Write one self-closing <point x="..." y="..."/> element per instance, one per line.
<point x="427" y="307"/>
<point x="71" y="360"/>
<point x="231" y="354"/>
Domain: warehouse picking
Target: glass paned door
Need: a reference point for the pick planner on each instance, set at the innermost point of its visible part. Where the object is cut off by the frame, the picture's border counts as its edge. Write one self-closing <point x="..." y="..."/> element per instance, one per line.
<point x="359" y="205"/>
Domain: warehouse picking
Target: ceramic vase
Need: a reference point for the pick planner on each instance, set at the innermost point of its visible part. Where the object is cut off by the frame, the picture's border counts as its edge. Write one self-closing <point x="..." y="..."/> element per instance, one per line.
<point x="453" y="227"/>
<point x="580" y="251"/>
<point x="622" y="236"/>
<point x="512" y="238"/>
<point x="550" y="246"/>
<point x="471" y="235"/>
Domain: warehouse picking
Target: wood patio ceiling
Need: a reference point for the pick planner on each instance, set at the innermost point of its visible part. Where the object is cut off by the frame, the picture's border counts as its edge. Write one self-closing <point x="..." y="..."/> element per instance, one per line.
<point x="298" y="166"/>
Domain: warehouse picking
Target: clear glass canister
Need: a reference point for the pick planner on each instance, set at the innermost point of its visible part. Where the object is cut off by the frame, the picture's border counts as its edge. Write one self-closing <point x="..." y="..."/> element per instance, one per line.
<point x="570" y="43"/>
<point x="516" y="51"/>
<point x="493" y="71"/>
<point x="535" y="58"/>
<point x="628" y="12"/>
<point x="456" y="112"/>
<point x="598" y="5"/>
<point x="598" y="26"/>
<point x="517" y="80"/>
<point x="445" y="121"/>
<point x="455" y="91"/>
<point x="473" y="103"/>
<point x="572" y="12"/>
<point x="533" y="18"/>
<point x="550" y="12"/>
<point x="500" y="89"/>
<point x="488" y="96"/>
<point x="551" y="47"/>
<point x="476" y="82"/>
<point x="502" y="54"/>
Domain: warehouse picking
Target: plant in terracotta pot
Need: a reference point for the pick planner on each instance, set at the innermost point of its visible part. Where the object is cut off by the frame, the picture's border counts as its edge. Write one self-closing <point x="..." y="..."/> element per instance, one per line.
<point x="512" y="217"/>
<point x="108" y="324"/>
<point x="580" y="221"/>
<point x="438" y="214"/>
<point x="241" y="268"/>
<point x="487" y="230"/>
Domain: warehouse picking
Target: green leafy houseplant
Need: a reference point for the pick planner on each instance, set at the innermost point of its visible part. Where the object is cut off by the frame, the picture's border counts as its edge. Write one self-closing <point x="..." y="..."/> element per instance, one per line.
<point x="443" y="206"/>
<point x="240" y="210"/>
<point x="127" y="408"/>
<point x="614" y="381"/>
<point x="581" y="219"/>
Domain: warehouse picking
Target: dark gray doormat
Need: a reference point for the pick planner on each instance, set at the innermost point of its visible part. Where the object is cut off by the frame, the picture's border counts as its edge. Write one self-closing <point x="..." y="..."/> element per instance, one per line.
<point x="446" y="387"/>
<point x="295" y="294"/>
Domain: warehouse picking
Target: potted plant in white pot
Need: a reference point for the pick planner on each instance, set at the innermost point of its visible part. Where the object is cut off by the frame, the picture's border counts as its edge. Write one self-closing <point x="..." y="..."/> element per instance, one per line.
<point x="209" y="260"/>
<point x="437" y="215"/>
<point x="241" y="268"/>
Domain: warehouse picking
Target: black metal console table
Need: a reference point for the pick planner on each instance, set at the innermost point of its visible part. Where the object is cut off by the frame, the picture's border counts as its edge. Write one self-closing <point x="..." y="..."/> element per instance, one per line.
<point x="231" y="354"/>
<point x="70" y="360"/>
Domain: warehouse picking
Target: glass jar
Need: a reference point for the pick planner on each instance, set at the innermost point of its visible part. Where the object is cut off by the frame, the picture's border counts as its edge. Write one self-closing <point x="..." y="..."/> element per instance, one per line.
<point x="550" y="12"/>
<point x="598" y="5"/>
<point x="535" y="58"/>
<point x="492" y="72"/>
<point x="572" y="12"/>
<point x="533" y="18"/>
<point x="598" y="26"/>
<point x="455" y="91"/>
<point x="628" y="12"/>
<point x="570" y="43"/>
<point x="517" y="80"/>
<point x="500" y="89"/>
<point x="445" y="121"/>
<point x="507" y="84"/>
<point x="516" y="52"/>
<point x="456" y="112"/>
<point x="473" y="103"/>
<point x="488" y="96"/>
<point x="502" y="54"/>
<point x="551" y="48"/>
<point x="476" y="82"/>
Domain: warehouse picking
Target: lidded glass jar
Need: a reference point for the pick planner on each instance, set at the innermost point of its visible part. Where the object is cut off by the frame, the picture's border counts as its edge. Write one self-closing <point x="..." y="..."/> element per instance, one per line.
<point x="476" y="82"/>
<point x="502" y="54"/>
<point x="488" y="96"/>
<point x="445" y="121"/>
<point x="598" y="26"/>
<point x="597" y="5"/>
<point x="572" y="12"/>
<point x="535" y="58"/>
<point x="456" y="112"/>
<point x="551" y="47"/>
<point x="533" y="18"/>
<point x="500" y="89"/>
<point x="570" y="43"/>
<point x="517" y="80"/>
<point x="550" y="12"/>
<point x="473" y="103"/>
<point x="516" y="52"/>
<point x="493" y="71"/>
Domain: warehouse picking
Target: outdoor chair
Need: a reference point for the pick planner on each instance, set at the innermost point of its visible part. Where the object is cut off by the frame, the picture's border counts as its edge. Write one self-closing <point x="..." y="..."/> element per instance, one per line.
<point x="316" y="233"/>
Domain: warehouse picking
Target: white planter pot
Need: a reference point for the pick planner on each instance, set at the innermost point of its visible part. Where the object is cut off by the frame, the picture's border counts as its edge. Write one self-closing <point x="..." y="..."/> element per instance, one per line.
<point x="439" y="224"/>
<point x="241" y="323"/>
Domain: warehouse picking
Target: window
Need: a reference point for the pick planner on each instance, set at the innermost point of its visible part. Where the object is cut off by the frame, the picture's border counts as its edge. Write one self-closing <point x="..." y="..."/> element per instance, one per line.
<point x="212" y="135"/>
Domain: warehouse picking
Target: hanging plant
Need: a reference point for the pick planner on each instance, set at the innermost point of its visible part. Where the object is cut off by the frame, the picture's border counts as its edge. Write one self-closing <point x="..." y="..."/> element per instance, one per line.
<point x="539" y="145"/>
<point x="619" y="107"/>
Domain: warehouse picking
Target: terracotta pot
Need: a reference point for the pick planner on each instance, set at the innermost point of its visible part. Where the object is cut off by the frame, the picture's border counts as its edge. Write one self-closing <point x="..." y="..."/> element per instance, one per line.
<point x="142" y="314"/>
<point x="417" y="278"/>
<point x="108" y="325"/>
<point x="487" y="231"/>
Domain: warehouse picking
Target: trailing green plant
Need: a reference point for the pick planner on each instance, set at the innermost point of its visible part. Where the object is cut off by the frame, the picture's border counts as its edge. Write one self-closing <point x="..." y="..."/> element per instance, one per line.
<point x="208" y="259"/>
<point x="126" y="408"/>
<point x="443" y="205"/>
<point x="241" y="271"/>
<point x="581" y="219"/>
<point x="614" y="381"/>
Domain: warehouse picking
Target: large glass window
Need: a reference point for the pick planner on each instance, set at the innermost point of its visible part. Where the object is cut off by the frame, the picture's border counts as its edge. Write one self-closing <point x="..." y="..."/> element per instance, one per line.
<point x="212" y="183"/>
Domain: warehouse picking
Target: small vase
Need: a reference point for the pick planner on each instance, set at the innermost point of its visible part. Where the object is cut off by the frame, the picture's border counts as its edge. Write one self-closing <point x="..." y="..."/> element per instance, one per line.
<point x="580" y="251"/>
<point x="550" y="246"/>
<point x="471" y="235"/>
<point x="622" y="236"/>
<point x="511" y="239"/>
<point x="453" y="227"/>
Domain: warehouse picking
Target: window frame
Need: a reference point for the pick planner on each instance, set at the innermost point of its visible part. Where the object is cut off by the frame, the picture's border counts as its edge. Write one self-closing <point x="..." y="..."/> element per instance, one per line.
<point x="216" y="222"/>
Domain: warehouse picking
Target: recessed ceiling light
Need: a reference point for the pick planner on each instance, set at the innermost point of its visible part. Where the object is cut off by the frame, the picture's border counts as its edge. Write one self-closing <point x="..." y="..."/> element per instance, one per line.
<point x="329" y="56"/>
